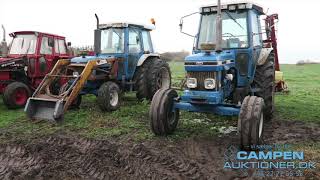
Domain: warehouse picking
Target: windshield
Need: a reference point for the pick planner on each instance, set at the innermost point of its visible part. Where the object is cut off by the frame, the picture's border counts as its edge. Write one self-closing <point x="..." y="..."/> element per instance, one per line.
<point x="234" y="30"/>
<point x="24" y="44"/>
<point x="112" y="40"/>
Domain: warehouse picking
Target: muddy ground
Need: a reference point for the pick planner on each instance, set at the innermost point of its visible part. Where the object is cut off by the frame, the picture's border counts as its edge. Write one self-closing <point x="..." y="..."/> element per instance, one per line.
<point x="62" y="156"/>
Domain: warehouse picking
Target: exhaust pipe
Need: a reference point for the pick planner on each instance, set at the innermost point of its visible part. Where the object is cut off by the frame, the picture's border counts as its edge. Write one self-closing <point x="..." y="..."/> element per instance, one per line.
<point x="219" y="28"/>
<point x="4" y="46"/>
<point x="97" y="20"/>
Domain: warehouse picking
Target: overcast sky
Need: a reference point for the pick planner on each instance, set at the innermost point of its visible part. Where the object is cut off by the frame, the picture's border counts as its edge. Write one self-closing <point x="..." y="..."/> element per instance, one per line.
<point x="298" y="27"/>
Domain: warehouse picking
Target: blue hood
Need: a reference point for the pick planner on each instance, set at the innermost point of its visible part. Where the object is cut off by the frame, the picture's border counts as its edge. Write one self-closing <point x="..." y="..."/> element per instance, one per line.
<point x="213" y="56"/>
<point x="85" y="59"/>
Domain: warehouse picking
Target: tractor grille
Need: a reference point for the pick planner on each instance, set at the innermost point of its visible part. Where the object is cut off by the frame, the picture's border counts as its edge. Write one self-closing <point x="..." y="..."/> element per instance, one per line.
<point x="201" y="76"/>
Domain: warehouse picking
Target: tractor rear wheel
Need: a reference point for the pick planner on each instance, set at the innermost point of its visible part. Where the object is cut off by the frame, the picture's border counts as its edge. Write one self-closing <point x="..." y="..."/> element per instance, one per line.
<point x="109" y="96"/>
<point x="250" y="122"/>
<point x="163" y="119"/>
<point x="159" y="77"/>
<point x="264" y="80"/>
<point x="141" y="81"/>
<point x="16" y="95"/>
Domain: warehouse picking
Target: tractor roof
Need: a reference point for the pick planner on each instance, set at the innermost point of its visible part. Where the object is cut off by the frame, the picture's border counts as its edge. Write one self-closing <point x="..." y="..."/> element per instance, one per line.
<point x="35" y="32"/>
<point x="126" y="24"/>
<point x="233" y="5"/>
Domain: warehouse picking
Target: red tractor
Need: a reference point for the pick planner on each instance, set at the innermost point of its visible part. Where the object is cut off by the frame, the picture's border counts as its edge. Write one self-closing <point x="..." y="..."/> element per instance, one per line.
<point x="23" y="65"/>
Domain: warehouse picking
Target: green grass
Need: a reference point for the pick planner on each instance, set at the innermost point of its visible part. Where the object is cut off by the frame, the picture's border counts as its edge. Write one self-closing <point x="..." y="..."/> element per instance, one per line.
<point x="303" y="101"/>
<point x="131" y="120"/>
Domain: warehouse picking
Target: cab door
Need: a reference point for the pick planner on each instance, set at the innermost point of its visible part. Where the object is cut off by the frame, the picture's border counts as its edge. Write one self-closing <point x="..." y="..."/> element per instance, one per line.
<point x="256" y="36"/>
<point x="46" y="54"/>
<point x="256" y="40"/>
<point x="135" y="50"/>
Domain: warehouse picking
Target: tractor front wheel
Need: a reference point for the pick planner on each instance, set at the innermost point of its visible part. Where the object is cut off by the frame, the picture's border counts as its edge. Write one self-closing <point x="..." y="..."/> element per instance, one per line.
<point x="109" y="96"/>
<point x="16" y="95"/>
<point x="163" y="117"/>
<point x="250" y="122"/>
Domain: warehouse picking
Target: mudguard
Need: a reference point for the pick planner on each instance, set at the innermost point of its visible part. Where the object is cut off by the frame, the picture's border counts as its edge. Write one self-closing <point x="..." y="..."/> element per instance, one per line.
<point x="264" y="55"/>
<point x="146" y="56"/>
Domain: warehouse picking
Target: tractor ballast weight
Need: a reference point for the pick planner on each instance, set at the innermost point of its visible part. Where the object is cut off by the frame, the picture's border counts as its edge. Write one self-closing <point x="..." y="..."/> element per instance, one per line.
<point x="230" y="73"/>
<point x="124" y="61"/>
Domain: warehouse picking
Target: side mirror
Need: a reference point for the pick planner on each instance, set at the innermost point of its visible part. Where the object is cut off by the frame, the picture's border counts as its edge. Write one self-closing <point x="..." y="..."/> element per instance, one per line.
<point x="97" y="41"/>
<point x="181" y="24"/>
<point x="69" y="44"/>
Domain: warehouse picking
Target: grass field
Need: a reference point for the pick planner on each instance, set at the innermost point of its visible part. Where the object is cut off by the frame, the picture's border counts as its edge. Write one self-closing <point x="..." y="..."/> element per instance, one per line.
<point x="131" y="121"/>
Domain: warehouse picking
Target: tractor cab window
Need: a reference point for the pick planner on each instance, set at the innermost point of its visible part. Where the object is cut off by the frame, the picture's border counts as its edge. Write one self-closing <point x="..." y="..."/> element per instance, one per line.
<point x="256" y="36"/>
<point x="60" y="46"/>
<point x="147" y="47"/>
<point x="234" y="29"/>
<point x="24" y="44"/>
<point x="46" y="45"/>
<point x="112" y="40"/>
<point x="134" y="41"/>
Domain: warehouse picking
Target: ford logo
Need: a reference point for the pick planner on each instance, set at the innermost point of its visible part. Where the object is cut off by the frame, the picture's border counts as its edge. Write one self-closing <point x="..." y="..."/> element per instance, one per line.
<point x="199" y="63"/>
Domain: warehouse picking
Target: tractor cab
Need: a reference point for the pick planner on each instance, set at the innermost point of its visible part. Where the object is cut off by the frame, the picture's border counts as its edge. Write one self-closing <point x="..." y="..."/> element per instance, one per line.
<point x="240" y="42"/>
<point x="36" y="52"/>
<point x="129" y="43"/>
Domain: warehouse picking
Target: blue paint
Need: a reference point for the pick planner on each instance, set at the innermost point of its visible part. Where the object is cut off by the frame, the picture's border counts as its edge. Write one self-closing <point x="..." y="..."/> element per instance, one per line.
<point x="214" y="101"/>
<point x="127" y="67"/>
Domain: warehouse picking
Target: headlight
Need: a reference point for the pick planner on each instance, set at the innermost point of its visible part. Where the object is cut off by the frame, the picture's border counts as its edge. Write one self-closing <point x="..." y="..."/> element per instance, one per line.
<point x="191" y="82"/>
<point x="209" y="83"/>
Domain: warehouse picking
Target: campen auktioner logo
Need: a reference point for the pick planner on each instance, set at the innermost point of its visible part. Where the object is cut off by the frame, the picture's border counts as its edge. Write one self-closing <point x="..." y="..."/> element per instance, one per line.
<point x="268" y="161"/>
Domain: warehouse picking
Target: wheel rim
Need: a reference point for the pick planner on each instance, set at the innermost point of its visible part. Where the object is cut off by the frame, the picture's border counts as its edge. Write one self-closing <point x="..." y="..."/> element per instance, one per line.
<point x="21" y="96"/>
<point x="114" y="97"/>
<point x="261" y="125"/>
<point x="163" y="78"/>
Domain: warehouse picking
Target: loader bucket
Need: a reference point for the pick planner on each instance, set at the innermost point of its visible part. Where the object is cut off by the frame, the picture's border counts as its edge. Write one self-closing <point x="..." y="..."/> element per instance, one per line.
<point x="44" y="109"/>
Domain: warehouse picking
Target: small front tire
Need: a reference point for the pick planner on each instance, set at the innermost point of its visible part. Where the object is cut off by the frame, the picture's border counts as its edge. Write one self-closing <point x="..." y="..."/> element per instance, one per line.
<point x="163" y="119"/>
<point x="16" y="95"/>
<point x="250" y="122"/>
<point x="109" y="96"/>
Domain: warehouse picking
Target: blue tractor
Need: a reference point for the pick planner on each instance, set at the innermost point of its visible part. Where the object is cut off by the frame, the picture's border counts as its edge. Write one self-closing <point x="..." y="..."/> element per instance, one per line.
<point x="230" y="72"/>
<point x="124" y="61"/>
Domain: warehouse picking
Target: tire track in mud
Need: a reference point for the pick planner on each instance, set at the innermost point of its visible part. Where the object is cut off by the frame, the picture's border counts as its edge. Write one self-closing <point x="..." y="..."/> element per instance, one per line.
<point x="14" y="160"/>
<point x="68" y="157"/>
<point x="65" y="157"/>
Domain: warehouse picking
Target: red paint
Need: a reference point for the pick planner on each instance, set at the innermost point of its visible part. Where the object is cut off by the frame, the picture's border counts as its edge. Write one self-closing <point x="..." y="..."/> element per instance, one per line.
<point x="272" y="38"/>
<point x="35" y="76"/>
<point x="21" y="96"/>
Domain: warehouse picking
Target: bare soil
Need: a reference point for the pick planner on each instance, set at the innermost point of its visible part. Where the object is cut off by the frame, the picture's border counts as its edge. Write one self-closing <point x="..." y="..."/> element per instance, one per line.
<point x="64" y="156"/>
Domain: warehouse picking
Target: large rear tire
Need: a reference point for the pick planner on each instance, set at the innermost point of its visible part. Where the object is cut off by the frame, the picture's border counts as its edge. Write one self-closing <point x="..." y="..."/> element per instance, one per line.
<point x="163" y="119"/>
<point x="109" y="96"/>
<point x="264" y="80"/>
<point x="250" y="122"/>
<point x="16" y="95"/>
<point x="159" y="77"/>
<point x="141" y="81"/>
